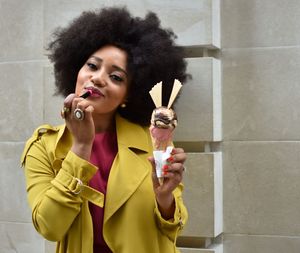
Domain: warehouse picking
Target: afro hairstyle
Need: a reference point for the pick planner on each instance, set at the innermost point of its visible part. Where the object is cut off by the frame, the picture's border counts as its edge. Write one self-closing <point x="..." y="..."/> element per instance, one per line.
<point x="152" y="55"/>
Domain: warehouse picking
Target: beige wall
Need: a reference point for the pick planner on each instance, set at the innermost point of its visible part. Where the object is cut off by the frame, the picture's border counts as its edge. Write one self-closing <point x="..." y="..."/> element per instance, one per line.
<point x="238" y="117"/>
<point x="261" y="122"/>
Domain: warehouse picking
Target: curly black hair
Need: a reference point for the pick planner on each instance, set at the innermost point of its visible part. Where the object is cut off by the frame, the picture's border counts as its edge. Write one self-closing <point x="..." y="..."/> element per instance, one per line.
<point x="152" y="55"/>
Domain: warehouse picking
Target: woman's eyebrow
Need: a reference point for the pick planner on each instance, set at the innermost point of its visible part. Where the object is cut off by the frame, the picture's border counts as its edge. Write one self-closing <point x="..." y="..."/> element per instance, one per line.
<point x="96" y="58"/>
<point x="120" y="69"/>
<point x="114" y="66"/>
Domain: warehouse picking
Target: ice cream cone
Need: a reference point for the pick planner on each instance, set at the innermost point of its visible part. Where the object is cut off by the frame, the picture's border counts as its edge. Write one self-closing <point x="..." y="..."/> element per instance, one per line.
<point x="163" y="123"/>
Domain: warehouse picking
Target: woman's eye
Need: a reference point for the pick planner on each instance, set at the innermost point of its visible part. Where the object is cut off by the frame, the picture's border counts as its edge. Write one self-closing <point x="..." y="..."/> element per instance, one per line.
<point x="116" y="78"/>
<point x="92" y="66"/>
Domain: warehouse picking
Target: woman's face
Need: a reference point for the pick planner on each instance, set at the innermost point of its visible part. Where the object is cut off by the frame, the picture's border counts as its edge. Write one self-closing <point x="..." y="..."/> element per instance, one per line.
<point x="105" y="74"/>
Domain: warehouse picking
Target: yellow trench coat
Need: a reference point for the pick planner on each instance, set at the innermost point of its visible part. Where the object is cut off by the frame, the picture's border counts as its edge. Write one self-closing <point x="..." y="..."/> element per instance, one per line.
<point x="58" y="193"/>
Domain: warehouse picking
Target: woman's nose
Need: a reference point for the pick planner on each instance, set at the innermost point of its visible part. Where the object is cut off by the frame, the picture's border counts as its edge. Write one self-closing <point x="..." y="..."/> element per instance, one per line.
<point x="98" y="78"/>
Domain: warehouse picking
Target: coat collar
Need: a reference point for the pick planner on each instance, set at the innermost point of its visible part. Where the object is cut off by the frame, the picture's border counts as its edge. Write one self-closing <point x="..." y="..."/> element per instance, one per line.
<point x="132" y="135"/>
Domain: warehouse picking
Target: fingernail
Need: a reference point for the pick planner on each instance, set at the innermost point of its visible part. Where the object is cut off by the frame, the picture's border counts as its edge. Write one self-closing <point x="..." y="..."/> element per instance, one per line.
<point x="165" y="169"/>
<point x="170" y="159"/>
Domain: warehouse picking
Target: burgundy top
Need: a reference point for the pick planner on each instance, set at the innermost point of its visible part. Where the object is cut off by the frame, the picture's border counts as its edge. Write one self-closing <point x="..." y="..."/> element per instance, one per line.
<point x="104" y="151"/>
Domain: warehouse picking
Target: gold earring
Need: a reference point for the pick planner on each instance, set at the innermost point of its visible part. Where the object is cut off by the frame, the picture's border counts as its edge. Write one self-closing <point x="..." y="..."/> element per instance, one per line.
<point x="123" y="105"/>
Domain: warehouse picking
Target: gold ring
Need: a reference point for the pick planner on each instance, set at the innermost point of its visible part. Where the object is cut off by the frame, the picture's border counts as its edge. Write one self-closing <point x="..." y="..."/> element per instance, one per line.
<point x="63" y="111"/>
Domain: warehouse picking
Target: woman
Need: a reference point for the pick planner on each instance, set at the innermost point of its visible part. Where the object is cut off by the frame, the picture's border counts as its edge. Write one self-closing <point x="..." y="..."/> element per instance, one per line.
<point x="90" y="183"/>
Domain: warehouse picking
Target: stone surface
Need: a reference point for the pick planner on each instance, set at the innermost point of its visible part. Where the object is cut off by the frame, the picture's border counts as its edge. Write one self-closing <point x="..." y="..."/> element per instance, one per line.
<point x="21" y="238"/>
<point x="196" y="24"/>
<point x="203" y="194"/>
<point x="199" y="106"/>
<point x="261" y="188"/>
<point x="260" y="23"/>
<point x="22" y="103"/>
<point x="50" y="247"/>
<point x="261" y="94"/>
<point x="52" y="103"/>
<point x="14" y="206"/>
<point x="260" y="244"/>
<point x="21" y="30"/>
<point x="212" y="249"/>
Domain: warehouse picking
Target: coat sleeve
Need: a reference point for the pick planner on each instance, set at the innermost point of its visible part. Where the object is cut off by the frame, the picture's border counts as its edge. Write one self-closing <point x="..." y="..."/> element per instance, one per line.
<point x="171" y="228"/>
<point x="54" y="197"/>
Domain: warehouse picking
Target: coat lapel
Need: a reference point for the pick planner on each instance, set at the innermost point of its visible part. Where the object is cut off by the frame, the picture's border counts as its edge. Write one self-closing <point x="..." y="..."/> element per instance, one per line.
<point x="129" y="169"/>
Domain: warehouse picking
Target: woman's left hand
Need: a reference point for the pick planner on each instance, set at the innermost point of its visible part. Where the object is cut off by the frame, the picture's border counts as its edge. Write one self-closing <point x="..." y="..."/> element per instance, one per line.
<point x="173" y="174"/>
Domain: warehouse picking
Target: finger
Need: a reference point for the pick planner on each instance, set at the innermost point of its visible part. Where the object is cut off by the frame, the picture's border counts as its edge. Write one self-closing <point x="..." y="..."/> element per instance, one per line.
<point x="68" y="100"/>
<point x="82" y="103"/>
<point x="76" y="103"/>
<point x="89" y="111"/>
<point x="175" y="168"/>
<point x="65" y="111"/>
<point x="177" y="151"/>
<point x="151" y="160"/>
<point x="173" y="178"/>
<point x="178" y="155"/>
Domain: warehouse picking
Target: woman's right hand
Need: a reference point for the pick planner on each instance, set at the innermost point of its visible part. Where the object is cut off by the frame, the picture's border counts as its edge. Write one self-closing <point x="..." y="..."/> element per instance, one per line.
<point x="83" y="131"/>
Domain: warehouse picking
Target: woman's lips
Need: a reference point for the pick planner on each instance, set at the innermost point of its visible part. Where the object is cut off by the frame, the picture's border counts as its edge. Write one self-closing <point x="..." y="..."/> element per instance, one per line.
<point x="95" y="92"/>
<point x="86" y="94"/>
